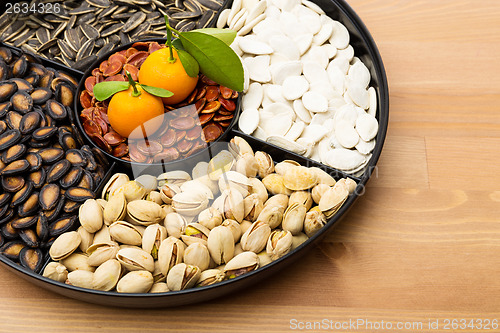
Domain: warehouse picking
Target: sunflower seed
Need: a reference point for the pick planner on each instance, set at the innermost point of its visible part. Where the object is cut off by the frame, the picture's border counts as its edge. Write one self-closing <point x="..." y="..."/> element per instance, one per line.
<point x="71" y="37"/>
<point x="105" y="49"/>
<point x="87" y="18"/>
<point x="46" y="46"/>
<point x="66" y="50"/>
<point x="85" y="50"/>
<point x="111" y="30"/>
<point x="107" y="11"/>
<point x="99" y="3"/>
<point x="89" y="31"/>
<point x="43" y="35"/>
<point x="85" y="62"/>
<point x="210" y="4"/>
<point x="59" y="29"/>
<point x="83" y="9"/>
<point x="133" y="22"/>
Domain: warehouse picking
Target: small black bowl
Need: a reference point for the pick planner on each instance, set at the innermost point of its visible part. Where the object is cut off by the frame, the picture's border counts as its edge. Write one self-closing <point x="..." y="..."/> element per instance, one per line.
<point x="137" y="168"/>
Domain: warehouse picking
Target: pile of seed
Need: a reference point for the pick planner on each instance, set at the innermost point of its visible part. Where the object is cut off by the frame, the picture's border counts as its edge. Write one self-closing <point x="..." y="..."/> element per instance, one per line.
<point x="82" y="31"/>
<point x="45" y="172"/>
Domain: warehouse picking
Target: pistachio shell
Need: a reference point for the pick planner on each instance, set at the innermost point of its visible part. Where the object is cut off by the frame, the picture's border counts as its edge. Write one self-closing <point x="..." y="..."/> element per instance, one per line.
<point x="197" y="254"/>
<point x="182" y="276"/>
<point x="234" y="227"/>
<point x="264" y="258"/>
<point x="132" y="191"/>
<point x="257" y="187"/>
<point x="255" y="238"/>
<point x="279" y="243"/>
<point x="152" y="237"/>
<point x="102" y="253"/>
<point x="275" y="184"/>
<point x="313" y="222"/>
<point x="155" y="196"/>
<point x="171" y="253"/>
<point x="239" y="146"/>
<point x="145" y="212"/>
<point x="298" y="239"/>
<point x="168" y="191"/>
<point x="265" y="163"/>
<point x="301" y="197"/>
<point x="115" y="182"/>
<point x="210" y="276"/>
<point x="135" y="259"/>
<point x="115" y="209"/>
<point x="323" y="177"/>
<point x="318" y="191"/>
<point x="195" y="233"/>
<point x="242" y="263"/>
<point x="221" y="244"/>
<point x="135" y="282"/>
<point x="77" y="261"/>
<point x="126" y="233"/>
<point x="253" y="207"/>
<point x="55" y="271"/>
<point x="210" y="218"/>
<point x="299" y="178"/>
<point x="86" y="239"/>
<point x="189" y="203"/>
<point x="247" y="165"/>
<point x="64" y="245"/>
<point x="332" y="199"/>
<point x="175" y="224"/>
<point x="281" y="167"/>
<point x="80" y="278"/>
<point x="235" y="181"/>
<point x="91" y="216"/>
<point x="173" y="177"/>
<point x="106" y="275"/>
<point x="159" y="287"/>
<point x="293" y="219"/>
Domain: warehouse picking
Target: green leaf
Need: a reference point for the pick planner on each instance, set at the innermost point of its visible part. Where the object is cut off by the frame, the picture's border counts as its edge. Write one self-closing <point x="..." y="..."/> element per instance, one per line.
<point x="160" y="92"/>
<point x="189" y="63"/>
<point x="177" y="44"/>
<point x="216" y="59"/>
<point x="225" y="35"/>
<point x="105" y="90"/>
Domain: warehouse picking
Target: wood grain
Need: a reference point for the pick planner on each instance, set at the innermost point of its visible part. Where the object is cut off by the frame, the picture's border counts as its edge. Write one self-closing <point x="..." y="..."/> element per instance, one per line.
<point x="423" y="242"/>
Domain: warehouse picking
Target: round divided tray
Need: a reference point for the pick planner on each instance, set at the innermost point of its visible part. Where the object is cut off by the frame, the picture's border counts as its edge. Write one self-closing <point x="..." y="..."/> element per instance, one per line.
<point x="366" y="50"/>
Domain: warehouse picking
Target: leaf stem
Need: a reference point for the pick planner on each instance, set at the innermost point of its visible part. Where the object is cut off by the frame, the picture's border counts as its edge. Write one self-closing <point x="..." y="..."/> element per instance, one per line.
<point x="171" y="59"/>
<point x="136" y="92"/>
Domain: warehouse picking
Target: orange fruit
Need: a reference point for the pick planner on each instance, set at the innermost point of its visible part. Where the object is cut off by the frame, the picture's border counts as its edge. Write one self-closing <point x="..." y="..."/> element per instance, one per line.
<point x="126" y="113"/>
<point x="157" y="71"/>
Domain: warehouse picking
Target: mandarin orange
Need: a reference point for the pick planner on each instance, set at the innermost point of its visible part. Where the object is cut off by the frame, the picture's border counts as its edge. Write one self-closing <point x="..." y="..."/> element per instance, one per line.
<point x="158" y="71"/>
<point x="126" y="113"/>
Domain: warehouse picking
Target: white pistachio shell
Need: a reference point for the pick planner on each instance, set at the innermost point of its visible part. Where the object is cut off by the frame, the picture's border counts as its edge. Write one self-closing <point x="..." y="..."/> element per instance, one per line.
<point x="145" y="212"/>
<point x="242" y="263"/>
<point x="135" y="282"/>
<point x="171" y="253"/>
<point x="175" y="224"/>
<point x="279" y="243"/>
<point x="182" y="276"/>
<point x="77" y="261"/>
<point x="210" y="276"/>
<point x="210" y="218"/>
<point x="220" y="244"/>
<point x="64" y="245"/>
<point x="106" y="275"/>
<point x="102" y="253"/>
<point x="115" y="209"/>
<point x="135" y="259"/>
<point x="197" y="254"/>
<point x="126" y="233"/>
<point x="255" y="238"/>
<point x="55" y="271"/>
<point x="81" y="279"/>
<point x="91" y="216"/>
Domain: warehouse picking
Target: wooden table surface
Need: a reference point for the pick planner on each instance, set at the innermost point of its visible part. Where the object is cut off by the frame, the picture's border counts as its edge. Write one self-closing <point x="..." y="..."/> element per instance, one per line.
<point x="422" y="244"/>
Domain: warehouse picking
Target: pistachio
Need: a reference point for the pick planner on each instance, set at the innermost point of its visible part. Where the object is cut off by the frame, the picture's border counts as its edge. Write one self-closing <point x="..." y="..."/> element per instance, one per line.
<point x="195" y="233"/>
<point x="281" y="167"/>
<point x="197" y="254"/>
<point x="171" y="253"/>
<point x="135" y="259"/>
<point x="349" y="183"/>
<point x="255" y="238"/>
<point x="80" y="278"/>
<point x="298" y="239"/>
<point x="158" y="276"/>
<point x="55" y="271"/>
<point x="301" y="197"/>
<point x="126" y="233"/>
<point x="173" y="177"/>
<point x="167" y="209"/>
<point x="168" y="191"/>
<point x="115" y="182"/>
<point x="247" y="165"/>
<point x="265" y="163"/>
<point x="100" y="237"/>
<point x="155" y="197"/>
<point x="242" y="263"/>
<point x="210" y="218"/>
<point x="221" y="244"/>
<point x="299" y="178"/>
<point x="313" y="222"/>
<point x="238" y="249"/>
<point x="132" y="191"/>
<point x="234" y="227"/>
<point x="86" y="239"/>
<point x="152" y="237"/>
<point x="293" y="219"/>
<point x="253" y="207"/>
<point x="103" y="252"/>
<point x="318" y="191"/>
<point x="135" y="282"/>
<point x="220" y="163"/>
<point x="239" y="147"/>
<point x="210" y="276"/>
<point x="235" y="181"/>
<point x="77" y="261"/>
<point x="279" y="243"/>
<point x="159" y="287"/>
<point x="257" y="187"/>
<point x="231" y="205"/>
<point x="189" y="203"/>
<point x="145" y="212"/>
<point x="65" y="245"/>
<point x="175" y="224"/>
<point x="332" y="200"/>
<point x="323" y="177"/>
<point x="106" y="275"/>
<point x="182" y="276"/>
<point x="150" y="183"/>
<point x="91" y="216"/>
<point x="195" y="186"/>
<point x="274" y="184"/>
<point x="115" y="209"/>
<point x="101" y="203"/>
